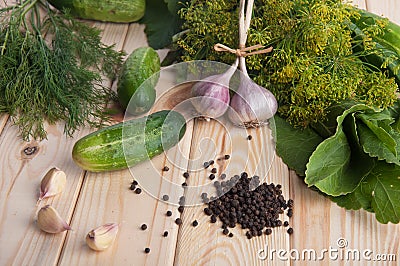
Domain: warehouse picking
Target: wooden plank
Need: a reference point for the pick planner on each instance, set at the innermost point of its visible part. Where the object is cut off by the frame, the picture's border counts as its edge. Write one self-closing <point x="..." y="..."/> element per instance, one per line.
<point x="387" y="8"/>
<point x="205" y="244"/>
<point x="21" y="241"/>
<point x="360" y="3"/>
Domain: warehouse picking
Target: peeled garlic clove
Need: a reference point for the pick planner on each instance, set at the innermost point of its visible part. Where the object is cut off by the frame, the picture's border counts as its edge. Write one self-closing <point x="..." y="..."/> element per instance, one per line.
<point x="52" y="183"/>
<point x="50" y="221"/>
<point x="102" y="237"/>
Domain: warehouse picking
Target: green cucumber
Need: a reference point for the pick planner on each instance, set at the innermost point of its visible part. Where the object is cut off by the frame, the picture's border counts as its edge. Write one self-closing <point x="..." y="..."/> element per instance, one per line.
<point x="137" y="80"/>
<point x="126" y="144"/>
<point x="387" y="44"/>
<point x="122" y="11"/>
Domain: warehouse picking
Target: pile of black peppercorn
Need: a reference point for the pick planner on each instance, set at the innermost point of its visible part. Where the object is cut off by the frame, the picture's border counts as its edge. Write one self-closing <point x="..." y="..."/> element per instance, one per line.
<point x="244" y="201"/>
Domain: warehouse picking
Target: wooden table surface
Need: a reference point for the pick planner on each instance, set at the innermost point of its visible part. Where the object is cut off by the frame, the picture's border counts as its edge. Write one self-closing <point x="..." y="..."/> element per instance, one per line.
<point x="92" y="199"/>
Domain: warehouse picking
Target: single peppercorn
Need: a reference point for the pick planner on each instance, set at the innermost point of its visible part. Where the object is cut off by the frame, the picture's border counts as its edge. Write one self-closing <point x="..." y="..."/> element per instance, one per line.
<point x="166" y="168"/>
<point x="286" y="223"/>
<point x="290" y="231"/>
<point x="180" y="209"/>
<point x="195" y="223"/>
<point x="143" y="227"/>
<point x="147" y="250"/>
<point x="178" y="221"/>
<point x="185" y="174"/>
<point x="165" y="233"/>
<point x="165" y="197"/>
<point x="212" y="177"/>
<point x="169" y="213"/>
<point x="138" y="190"/>
<point x="249" y="137"/>
<point x="214" y="170"/>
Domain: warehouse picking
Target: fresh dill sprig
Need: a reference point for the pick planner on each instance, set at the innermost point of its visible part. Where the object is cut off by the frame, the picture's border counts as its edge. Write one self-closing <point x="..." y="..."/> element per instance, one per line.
<point x="51" y="69"/>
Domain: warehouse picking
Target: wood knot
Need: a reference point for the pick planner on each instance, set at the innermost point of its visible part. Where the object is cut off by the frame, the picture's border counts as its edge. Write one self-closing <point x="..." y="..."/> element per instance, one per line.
<point x="30" y="150"/>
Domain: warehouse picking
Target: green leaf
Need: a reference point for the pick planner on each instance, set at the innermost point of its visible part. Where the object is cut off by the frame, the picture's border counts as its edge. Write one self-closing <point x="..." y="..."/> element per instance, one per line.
<point x="349" y="201"/>
<point x="329" y="160"/>
<point x="354" y="200"/>
<point x="384" y="137"/>
<point x="382" y="186"/>
<point x="162" y="22"/>
<point x="339" y="164"/>
<point x="374" y="146"/>
<point x="294" y="145"/>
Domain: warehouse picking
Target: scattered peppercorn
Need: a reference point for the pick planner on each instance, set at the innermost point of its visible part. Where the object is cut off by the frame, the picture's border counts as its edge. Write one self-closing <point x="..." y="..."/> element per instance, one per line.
<point x="165" y="233"/>
<point x="212" y="177"/>
<point x="195" y="223"/>
<point x="147" y="250"/>
<point x="213" y="218"/>
<point x="268" y="231"/>
<point x="180" y="209"/>
<point x="225" y="231"/>
<point x="286" y="223"/>
<point x="185" y="174"/>
<point x="290" y="231"/>
<point x="165" y="197"/>
<point x="144" y="226"/>
<point x="166" y="168"/>
<point x="206" y="165"/>
<point x="138" y="191"/>
<point x="230" y="235"/>
<point x="223" y="176"/>
<point x="178" y="221"/>
<point x="182" y="200"/>
<point x="169" y="213"/>
<point x="214" y="170"/>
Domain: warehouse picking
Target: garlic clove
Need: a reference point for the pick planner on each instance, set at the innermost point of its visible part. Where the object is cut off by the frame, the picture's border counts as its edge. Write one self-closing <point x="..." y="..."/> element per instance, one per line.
<point x="52" y="183"/>
<point x="50" y="221"/>
<point x="210" y="96"/>
<point x="102" y="237"/>
<point x="252" y="105"/>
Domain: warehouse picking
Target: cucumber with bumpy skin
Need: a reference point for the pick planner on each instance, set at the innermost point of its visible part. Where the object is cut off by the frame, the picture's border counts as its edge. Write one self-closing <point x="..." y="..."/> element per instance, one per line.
<point x="123" y="11"/>
<point x="126" y="144"/>
<point x="137" y="80"/>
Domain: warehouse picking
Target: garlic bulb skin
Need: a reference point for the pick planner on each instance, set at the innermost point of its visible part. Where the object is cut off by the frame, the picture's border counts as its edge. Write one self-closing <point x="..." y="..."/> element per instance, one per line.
<point x="252" y="105"/>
